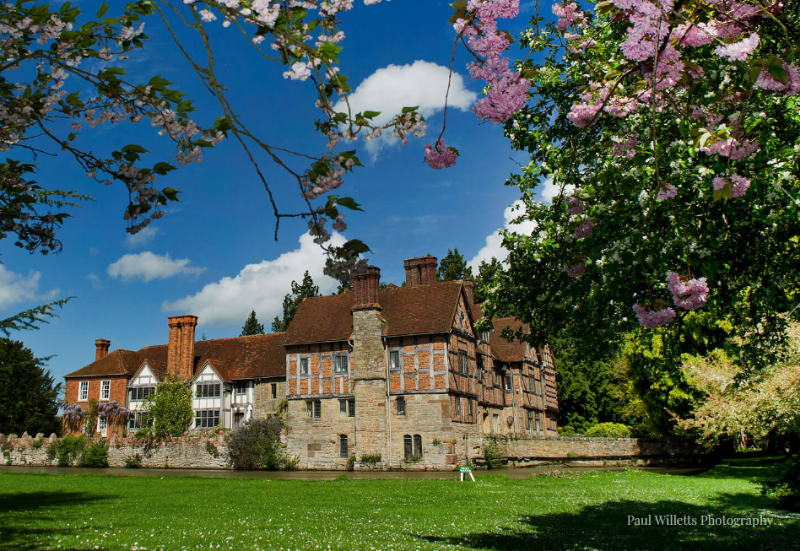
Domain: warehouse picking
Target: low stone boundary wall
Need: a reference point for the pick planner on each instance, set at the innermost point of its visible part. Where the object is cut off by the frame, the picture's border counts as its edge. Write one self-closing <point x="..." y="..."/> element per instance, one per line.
<point x="187" y="452"/>
<point x="526" y="450"/>
<point x="206" y="452"/>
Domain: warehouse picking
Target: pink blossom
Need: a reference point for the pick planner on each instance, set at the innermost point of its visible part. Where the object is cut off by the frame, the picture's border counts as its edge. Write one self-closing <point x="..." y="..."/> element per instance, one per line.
<point x="739" y="184"/>
<point x="567" y="14"/>
<point x="575" y="270"/>
<point x="739" y="51"/>
<point x="207" y="16"/>
<point x="576" y="206"/>
<point x="689" y="294"/>
<point x="667" y="193"/>
<point x="651" y="318"/>
<point x="585" y="229"/>
<point x="766" y="81"/>
<point x="440" y="156"/>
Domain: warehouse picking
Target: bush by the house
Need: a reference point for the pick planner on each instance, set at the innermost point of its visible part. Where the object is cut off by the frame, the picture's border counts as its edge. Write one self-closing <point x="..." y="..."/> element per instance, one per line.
<point x="67" y="450"/>
<point x="133" y="461"/>
<point x="95" y="455"/>
<point x="491" y="454"/>
<point x="257" y="446"/>
<point x="609" y="430"/>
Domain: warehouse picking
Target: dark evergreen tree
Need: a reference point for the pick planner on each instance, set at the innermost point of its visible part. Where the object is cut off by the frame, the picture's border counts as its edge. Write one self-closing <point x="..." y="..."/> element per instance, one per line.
<point x="291" y="302"/>
<point x="251" y="326"/>
<point x="453" y="266"/>
<point x="28" y="393"/>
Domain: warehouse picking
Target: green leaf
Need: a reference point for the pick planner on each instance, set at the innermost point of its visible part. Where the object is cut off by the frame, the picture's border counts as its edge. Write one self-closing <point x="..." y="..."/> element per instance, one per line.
<point x="460" y="14"/>
<point x="357" y="246"/>
<point x="778" y="73"/>
<point x="724" y="193"/>
<point x="459" y="5"/>
<point x="410" y="109"/>
<point x="222" y="124"/>
<point x="134" y="148"/>
<point x="349" y="203"/>
<point x="171" y="194"/>
<point x="102" y="11"/>
<point x="163" y="168"/>
<point x="114" y="71"/>
<point x="370" y="114"/>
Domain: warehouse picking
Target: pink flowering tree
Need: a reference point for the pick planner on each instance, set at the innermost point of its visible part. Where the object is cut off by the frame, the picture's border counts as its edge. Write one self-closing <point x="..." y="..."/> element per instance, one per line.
<point x="668" y="133"/>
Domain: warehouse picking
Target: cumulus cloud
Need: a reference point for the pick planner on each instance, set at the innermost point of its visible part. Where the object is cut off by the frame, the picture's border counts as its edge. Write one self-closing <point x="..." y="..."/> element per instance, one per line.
<point x="15" y="288"/>
<point x="260" y="287"/>
<point x="391" y="88"/>
<point x="550" y="191"/>
<point x="148" y="266"/>
<point x="494" y="242"/>
<point x="142" y="238"/>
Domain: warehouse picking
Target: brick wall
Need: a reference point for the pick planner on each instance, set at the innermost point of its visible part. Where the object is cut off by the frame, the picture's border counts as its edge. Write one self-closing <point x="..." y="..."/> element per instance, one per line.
<point x="118" y="388"/>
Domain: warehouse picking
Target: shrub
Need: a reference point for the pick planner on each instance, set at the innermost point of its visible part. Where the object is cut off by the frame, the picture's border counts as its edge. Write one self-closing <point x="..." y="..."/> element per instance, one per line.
<point x="95" y="455"/>
<point x="786" y="484"/>
<point x="212" y="450"/>
<point x="609" y="430"/>
<point x="38" y="443"/>
<point x="257" y="446"/>
<point x="491" y="454"/>
<point x="133" y="461"/>
<point x="66" y="450"/>
<point x="370" y="458"/>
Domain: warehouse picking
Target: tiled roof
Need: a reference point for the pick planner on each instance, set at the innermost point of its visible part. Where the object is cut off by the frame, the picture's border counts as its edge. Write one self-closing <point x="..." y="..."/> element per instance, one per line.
<point x="233" y="358"/>
<point x="419" y="310"/>
<point x="502" y="349"/>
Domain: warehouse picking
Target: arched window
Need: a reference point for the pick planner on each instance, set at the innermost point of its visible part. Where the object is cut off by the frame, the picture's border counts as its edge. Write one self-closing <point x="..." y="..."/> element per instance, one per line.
<point x="417" y="445"/>
<point x="408" y="448"/>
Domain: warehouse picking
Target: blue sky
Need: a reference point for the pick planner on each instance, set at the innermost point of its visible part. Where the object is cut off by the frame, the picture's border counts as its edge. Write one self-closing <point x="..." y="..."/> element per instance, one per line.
<point x="214" y="255"/>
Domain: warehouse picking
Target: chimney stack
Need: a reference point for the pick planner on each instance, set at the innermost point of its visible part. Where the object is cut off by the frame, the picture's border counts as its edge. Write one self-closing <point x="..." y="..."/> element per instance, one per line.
<point x="365" y="288"/>
<point x="420" y="270"/>
<point x="180" y="350"/>
<point x="469" y="289"/>
<point x="101" y="349"/>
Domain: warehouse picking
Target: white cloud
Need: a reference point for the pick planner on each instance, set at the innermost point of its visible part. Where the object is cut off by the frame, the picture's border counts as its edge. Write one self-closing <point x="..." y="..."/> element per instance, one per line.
<point x="148" y="266"/>
<point x="493" y="247"/>
<point x="550" y="191"/>
<point x="260" y="287"/>
<point x="15" y="288"/>
<point x="95" y="281"/>
<point x="142" y="238"/>
<point x="391" y="88"/>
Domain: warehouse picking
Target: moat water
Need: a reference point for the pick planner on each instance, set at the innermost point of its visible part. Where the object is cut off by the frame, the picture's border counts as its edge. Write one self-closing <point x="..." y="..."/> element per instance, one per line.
<point x="512" y="473"/>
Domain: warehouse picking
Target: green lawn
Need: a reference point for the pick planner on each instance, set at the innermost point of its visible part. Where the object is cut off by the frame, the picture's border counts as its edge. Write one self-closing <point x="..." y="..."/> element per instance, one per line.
<point x="579" y="511"/>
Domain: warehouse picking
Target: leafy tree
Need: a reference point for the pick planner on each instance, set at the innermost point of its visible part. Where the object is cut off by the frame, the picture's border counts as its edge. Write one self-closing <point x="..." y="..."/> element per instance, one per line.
<point x="453" y="266"/>
<point x="251" y="326"/>
<point x="169" y="409"/>
<point x="291" y="302"/>
<point x="28" y="393"/>
<point x="257" y="446"/>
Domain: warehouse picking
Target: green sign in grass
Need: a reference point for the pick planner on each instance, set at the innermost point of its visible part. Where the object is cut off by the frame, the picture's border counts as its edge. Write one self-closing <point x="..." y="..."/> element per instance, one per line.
<point x="464" y="469"/>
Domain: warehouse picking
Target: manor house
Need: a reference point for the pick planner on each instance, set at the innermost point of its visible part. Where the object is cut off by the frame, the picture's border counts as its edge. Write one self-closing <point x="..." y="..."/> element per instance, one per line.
<point x="397" y="376"/>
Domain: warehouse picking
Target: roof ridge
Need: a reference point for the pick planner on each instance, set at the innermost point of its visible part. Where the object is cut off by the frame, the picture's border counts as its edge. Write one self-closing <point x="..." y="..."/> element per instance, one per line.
<point x="244" y="337"/>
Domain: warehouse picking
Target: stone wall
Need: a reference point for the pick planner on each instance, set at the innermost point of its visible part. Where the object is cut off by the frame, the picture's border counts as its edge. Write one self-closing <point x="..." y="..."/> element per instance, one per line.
<point x="201" y="452"/>
<point x="526" y="450"/>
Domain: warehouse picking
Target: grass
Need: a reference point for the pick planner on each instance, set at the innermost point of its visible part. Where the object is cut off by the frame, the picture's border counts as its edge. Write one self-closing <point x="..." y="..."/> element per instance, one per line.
<point x="577" y="511"/>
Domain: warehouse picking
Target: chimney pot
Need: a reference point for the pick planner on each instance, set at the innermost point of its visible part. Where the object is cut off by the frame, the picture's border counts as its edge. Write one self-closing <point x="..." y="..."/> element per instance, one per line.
<point x="420" y="270"/>
<point x="101" y="347"/>
<point x="180" y="350"/>
<point x="365" y="288"/>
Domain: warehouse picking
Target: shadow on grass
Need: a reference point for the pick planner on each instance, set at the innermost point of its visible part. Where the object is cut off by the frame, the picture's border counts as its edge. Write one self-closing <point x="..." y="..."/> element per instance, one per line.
<point x="610" y="526"/>
<point x="25" y="518"/>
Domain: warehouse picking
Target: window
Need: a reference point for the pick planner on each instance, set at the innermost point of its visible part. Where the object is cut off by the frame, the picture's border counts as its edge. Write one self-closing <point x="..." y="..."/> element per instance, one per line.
<point x="507" y="379"/>
<point x="102" y="425"/>
<point x="274" y="391"/>
<point x="206" y="418"/>
<point x="538" y="428"/>
<point x="208" y="391"/>
<point x="351" y="408"/>
<point x="314" y="409"/>
<point x="139" y="393"/>
<point x="340" y="364"/>
<point x="417" y="445"/>
<point x="469" y="403"/>
<point x="462" y="361"/>
<point x="83" y="393"/>
<point x="343" y="451"/>
<point x="495" y="422"/>
<point x="458" y="406"/>
<point x="241" y="389"/>
<point x="105" y="390"/>
<point x="303" y="366"/>
<point x="408" y="449"/>
<point x="394" y="360"/>
<point x="136" y="420"/>
<point x="530" y="421"/>
<point x="495" y="379"/>
<point x="342" y="408"/>
<point x="401" y="406"/>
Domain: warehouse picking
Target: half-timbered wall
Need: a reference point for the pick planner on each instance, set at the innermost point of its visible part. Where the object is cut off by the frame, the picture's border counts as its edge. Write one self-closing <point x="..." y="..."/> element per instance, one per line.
<point x="422" y="364"/>
<point x="321" y="378"/>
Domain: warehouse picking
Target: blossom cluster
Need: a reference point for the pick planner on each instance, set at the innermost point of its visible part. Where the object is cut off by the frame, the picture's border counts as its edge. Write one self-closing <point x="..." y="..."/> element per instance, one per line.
<point x="440" y="156"/>
<point x="687" y="293"/>
<point x="651" y="318"/>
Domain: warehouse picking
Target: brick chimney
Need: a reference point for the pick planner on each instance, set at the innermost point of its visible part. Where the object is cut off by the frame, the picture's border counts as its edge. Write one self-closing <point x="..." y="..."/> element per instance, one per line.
<point x="469" y="289"/>
<point x="180" y="350"/>
<point x="101" y="349"/>
<point x="365" y="288"/>
<point x="420" y="270"/>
